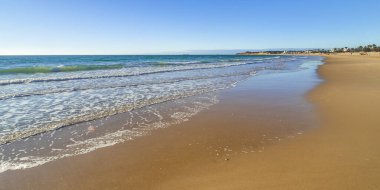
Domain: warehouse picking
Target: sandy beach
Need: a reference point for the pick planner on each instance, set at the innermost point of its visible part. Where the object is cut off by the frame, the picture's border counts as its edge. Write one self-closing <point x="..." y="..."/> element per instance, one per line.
<point x="283" y="131"/>
<point x="189" y="95"/>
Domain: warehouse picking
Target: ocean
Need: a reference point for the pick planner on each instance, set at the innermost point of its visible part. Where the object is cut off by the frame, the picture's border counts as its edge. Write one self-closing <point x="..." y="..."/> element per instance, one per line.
<point x="53" y="107"/>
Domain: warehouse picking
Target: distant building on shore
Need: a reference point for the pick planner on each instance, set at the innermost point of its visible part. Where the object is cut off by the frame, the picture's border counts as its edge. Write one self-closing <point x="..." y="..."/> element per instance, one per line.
<point x="363" y="50"/>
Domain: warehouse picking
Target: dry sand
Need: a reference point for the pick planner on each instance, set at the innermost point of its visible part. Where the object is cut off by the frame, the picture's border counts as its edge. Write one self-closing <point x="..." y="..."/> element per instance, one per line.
<point x="235" y="145"/>
<point x="341" y="154"/>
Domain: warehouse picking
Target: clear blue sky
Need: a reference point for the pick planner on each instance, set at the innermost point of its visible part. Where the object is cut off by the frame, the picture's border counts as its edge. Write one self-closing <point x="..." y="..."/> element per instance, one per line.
<point x="169" y="26"/>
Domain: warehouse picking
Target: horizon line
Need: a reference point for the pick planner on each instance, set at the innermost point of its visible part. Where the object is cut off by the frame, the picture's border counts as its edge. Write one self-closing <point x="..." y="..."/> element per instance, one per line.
<point x="187" y="52"/>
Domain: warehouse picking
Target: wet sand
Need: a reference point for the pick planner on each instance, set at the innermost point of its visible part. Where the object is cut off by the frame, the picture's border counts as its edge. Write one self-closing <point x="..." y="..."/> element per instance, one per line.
<point x="263" y="134"/>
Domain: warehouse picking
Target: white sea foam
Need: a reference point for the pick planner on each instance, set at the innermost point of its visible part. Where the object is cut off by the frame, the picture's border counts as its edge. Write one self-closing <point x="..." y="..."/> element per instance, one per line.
<point x="189" y="107"/>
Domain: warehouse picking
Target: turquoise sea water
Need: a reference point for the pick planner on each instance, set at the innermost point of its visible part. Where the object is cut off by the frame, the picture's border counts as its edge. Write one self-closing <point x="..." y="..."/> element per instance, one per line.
<point x="40" y="94"/>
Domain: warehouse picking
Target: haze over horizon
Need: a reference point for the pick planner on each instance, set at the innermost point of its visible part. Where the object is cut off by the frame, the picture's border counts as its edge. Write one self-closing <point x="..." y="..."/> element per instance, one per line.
<point x="43" y="27"/>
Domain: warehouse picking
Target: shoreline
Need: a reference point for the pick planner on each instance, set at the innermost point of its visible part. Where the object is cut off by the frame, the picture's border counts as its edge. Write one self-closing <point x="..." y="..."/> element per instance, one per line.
<point x="236" y="126"/>
<point x="89" y="136"/>
<point x="340" y="153"/>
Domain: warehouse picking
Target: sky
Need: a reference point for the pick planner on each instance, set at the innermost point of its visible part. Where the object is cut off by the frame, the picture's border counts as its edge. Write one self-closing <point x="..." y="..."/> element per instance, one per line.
<point x="29" y="27"/>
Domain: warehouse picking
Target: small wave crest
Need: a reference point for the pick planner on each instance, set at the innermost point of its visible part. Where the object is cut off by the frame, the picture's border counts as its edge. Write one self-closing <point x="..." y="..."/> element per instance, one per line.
<point x="124" y="72"/>
<point x="89" y="87"/>
<point x="60" y="68"/>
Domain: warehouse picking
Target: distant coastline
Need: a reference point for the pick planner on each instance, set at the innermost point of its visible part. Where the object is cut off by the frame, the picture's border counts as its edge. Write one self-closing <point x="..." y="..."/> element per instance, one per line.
<point x="370" y="50"/>
<point x="312" y="54"/>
